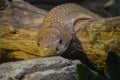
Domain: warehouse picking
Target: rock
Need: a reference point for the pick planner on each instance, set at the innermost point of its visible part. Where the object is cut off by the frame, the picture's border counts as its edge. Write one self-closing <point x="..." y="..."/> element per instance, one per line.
<point x="49" y="68"/>
<point x="19" y="24"/>
<point x="98" y="37"/>
<point x="23" y="15"/>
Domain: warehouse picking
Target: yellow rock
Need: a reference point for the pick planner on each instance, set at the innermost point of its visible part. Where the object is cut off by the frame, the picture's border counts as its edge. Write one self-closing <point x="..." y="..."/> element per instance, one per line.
<point x="19" y="27"/>
<point x="19" y="55"/>
<point x="98" y="37"/>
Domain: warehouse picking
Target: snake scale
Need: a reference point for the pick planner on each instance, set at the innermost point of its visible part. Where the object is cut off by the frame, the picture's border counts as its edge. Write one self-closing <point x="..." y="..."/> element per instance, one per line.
<point x="58" y="27"/>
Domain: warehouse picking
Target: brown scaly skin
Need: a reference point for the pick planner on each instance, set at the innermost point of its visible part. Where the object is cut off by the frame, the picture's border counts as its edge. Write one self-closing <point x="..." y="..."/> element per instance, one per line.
<point x="57" y="29"/>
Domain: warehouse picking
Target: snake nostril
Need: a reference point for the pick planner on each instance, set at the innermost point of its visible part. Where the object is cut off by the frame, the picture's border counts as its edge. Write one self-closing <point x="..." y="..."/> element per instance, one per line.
<point x="60" y="41"/>
<point x="57" y="49"/>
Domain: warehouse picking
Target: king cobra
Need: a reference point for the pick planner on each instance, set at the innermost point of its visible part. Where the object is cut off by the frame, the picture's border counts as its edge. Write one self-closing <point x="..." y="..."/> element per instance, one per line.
<point x="58" y="27"/>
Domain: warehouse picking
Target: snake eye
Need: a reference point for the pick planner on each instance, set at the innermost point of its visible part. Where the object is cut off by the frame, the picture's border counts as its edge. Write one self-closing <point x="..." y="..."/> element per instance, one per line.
<point x="114" y="27"/>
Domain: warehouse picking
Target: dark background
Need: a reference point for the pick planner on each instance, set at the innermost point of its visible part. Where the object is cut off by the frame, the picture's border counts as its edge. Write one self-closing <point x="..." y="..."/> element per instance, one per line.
<point x="105" y="8"/>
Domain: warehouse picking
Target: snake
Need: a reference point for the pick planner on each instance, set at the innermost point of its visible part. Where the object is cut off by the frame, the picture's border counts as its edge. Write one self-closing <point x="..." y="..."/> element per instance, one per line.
<point x="58" y="27"/>
<point x="97" y="35"/>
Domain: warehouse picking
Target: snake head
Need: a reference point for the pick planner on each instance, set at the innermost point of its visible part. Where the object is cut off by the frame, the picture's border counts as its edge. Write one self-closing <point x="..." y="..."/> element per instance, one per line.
<point x="49" y="41"/>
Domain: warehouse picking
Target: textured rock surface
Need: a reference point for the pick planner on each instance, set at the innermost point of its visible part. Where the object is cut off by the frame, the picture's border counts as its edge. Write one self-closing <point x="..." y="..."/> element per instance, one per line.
<point x="98" y="37"/>
<point x="50" y="68"/>
<point x="19" y="24"/>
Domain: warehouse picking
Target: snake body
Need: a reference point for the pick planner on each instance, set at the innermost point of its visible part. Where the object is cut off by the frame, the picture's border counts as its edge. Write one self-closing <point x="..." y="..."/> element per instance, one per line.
<point x="58" y="27"/>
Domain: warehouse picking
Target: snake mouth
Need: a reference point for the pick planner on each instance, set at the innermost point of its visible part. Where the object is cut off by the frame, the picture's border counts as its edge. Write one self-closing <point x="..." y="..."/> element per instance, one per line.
<point x="47" y="51"/>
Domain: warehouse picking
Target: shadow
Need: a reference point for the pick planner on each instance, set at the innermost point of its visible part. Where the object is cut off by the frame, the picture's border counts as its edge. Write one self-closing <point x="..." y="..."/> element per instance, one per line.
<point x="76" y="52"/>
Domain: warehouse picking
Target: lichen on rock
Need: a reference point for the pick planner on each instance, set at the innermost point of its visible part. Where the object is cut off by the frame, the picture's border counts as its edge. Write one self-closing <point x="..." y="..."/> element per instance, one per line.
<point x="98" y="37"/>
<point x="19" y="25"/>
